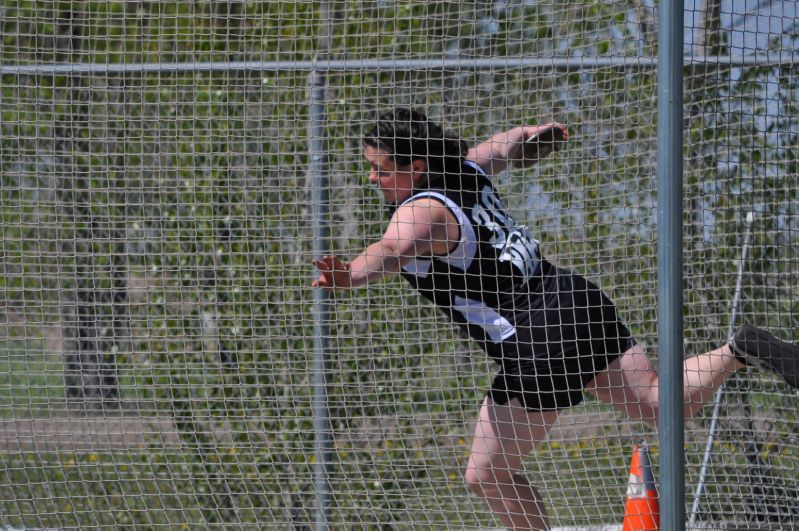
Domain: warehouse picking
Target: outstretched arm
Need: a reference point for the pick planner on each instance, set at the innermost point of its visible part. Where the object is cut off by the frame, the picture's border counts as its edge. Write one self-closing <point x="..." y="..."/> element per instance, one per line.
<point x="518" y="146"/>
<point x="420" y="228"/>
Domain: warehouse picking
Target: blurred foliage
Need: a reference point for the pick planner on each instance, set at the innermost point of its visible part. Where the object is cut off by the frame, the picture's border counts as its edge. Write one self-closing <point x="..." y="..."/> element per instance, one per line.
<point x="176" y="206"/>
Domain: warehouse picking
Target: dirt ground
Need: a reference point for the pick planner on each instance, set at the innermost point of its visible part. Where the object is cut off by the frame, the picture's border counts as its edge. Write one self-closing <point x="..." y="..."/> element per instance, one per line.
<point x="121" y="433"/>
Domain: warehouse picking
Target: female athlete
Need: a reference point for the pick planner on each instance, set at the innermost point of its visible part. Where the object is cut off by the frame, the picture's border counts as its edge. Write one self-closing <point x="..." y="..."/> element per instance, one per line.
<point x="554" y="334"/>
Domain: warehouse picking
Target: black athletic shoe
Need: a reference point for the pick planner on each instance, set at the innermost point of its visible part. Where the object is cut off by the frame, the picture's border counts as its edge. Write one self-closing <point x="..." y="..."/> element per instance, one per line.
<point x="761" y="349"/>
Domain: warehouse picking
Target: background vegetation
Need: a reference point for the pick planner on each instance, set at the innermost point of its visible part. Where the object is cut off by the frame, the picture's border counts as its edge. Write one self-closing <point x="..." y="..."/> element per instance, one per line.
<point x="157" y="232"/>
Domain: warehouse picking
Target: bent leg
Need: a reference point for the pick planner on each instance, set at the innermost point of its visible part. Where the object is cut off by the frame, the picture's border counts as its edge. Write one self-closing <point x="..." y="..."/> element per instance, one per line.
<point x="630" y="383"/>
<point x="503" y="436"/>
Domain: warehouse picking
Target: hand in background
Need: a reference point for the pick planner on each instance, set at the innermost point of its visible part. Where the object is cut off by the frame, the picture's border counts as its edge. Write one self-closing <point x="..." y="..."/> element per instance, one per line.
<point x="333" y="273"/>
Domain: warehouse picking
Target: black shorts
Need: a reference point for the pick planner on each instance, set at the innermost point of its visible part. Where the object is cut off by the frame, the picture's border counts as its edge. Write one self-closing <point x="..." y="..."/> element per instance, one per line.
<point x="572" y="335"/>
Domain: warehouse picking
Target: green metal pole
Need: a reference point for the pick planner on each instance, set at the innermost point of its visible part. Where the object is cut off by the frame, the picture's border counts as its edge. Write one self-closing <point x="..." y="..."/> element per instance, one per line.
<point x="670" y="264"/>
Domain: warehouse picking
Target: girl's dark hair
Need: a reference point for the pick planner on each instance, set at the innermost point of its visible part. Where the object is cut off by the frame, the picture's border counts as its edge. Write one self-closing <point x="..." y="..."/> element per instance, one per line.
<point x="407" y="135"/>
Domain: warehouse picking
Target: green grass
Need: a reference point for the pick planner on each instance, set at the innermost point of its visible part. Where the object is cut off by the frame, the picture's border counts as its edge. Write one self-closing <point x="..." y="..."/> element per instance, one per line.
<point x="403" y="487"/>
<point x="31" y="380"/>
<point x="130" y="489"/>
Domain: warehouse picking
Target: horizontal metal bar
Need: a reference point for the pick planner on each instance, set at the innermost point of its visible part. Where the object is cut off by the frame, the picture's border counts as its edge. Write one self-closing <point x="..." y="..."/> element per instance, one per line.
<point x="343" y="65"/>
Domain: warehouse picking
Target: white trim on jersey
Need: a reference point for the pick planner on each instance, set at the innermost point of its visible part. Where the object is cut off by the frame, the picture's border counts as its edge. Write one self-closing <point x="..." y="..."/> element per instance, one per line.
<point x="477" y="313"/>
<point x="472" y="164"/>
<point x="461" y="257"/>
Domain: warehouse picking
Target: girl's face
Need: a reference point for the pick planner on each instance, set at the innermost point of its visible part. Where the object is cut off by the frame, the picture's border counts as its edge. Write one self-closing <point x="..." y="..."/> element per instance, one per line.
<point x="395" y="182"/>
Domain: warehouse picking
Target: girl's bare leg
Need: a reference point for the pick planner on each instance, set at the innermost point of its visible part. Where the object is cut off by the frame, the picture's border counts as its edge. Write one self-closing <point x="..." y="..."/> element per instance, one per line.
<point x="503" y="436"/>
<point x="630" y="383"/>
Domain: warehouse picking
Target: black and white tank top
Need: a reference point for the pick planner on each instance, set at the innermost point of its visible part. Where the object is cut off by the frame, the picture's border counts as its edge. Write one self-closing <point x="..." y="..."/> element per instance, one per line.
<point x="484" y="283"/>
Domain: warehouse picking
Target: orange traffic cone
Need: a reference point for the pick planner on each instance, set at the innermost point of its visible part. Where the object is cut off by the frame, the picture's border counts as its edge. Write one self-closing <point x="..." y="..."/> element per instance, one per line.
<point x="642" y="510"/>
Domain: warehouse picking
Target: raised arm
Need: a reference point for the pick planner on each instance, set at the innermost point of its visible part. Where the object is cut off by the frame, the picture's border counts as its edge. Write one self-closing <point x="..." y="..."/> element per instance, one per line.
<point x="508" y="147"/>
<point x="421" y="228"/>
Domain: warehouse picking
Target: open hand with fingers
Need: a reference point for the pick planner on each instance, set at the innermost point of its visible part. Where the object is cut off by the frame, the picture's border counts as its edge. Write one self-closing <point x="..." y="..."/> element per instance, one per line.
<point x="333" y="273"/>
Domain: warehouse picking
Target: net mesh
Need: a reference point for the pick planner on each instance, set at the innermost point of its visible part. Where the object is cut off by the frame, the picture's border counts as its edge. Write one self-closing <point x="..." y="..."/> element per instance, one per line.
<point x="157" y="324"/>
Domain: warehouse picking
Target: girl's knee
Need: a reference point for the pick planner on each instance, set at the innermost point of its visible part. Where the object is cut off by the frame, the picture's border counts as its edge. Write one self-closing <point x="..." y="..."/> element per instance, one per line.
<point x="484" y="481"/>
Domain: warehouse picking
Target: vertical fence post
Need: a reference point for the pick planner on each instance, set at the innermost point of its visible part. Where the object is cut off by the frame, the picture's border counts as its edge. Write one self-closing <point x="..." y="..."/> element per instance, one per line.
<point x="670" y="262"/>
<point x="320" y="205"/>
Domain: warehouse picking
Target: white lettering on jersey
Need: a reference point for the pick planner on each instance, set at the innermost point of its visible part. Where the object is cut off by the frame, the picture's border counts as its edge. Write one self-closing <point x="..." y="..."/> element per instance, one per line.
<point x="513" y="241"/>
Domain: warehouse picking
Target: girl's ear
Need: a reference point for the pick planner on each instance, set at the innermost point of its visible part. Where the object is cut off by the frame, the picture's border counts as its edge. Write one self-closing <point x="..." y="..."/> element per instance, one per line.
<point x="419" y="168"/>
